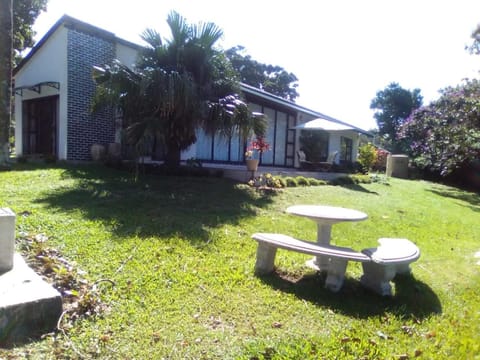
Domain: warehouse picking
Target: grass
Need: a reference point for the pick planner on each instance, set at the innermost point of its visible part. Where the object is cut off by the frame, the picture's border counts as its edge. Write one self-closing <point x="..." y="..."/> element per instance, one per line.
<point x="179" y="254"/>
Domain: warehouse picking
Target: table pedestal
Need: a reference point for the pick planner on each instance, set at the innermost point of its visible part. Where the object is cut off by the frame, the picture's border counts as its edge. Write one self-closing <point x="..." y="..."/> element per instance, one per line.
<point x="321" y="263"/>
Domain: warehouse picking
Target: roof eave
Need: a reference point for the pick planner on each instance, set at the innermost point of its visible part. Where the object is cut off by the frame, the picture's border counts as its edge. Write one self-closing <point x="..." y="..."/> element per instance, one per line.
<point x="71" y="22"/>
<point x="279" y="100"/>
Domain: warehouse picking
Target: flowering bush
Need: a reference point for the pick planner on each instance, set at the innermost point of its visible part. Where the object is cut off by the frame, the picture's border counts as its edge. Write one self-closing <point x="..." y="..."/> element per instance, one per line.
<point x="259" y="145"/>
<point x="380" y="163"/>
<point x="445" y="135"/>
<point x="266" y="181"/>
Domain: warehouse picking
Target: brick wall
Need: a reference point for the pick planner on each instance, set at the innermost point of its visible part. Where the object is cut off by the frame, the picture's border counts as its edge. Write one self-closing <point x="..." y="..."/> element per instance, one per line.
<point x="84" y="128"/>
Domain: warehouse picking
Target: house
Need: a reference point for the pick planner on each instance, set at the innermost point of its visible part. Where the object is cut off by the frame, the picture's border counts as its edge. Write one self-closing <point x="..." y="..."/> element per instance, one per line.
<point x="54" y="89"/>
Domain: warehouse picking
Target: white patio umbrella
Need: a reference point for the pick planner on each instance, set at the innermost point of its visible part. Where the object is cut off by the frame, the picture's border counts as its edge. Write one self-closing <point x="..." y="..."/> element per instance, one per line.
<point x="323" y="124"/>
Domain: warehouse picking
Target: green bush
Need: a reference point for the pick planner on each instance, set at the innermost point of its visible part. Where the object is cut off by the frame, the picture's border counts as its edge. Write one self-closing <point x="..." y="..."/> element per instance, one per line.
<point x="361" y="179"/>
<point x="367" y="156"/>
<point x="282" y="182"/>
<point x="302" y="181"/>
<point x="266" y="181"/>
<point x="316" y="182"/>
<point x="291" y="182"/>
<point x="351" y="180"/>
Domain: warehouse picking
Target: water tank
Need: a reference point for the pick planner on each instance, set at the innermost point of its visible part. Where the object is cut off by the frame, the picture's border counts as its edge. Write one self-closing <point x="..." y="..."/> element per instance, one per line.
<point x="397" y="166"/>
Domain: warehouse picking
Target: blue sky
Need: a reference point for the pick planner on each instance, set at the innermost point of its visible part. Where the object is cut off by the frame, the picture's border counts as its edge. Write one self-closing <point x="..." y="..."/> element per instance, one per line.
<point x="342" y="51"/>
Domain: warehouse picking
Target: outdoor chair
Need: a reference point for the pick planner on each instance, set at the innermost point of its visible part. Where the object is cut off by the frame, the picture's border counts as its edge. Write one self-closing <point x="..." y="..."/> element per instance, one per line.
<point x="327" y="165"/>
<point x="302" y="159"/>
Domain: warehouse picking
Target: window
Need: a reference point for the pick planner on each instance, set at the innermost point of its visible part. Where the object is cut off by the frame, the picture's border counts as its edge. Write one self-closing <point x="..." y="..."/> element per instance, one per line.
<point x="346" y="149"/>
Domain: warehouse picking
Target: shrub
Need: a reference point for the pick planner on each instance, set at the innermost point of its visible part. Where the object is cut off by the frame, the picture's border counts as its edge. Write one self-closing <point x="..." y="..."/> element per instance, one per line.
<point x="302" y="181"/>
<point x="367" y="155"/>
<point x="282" y="182"/>
<point x="361" y="179"/>
<point x="291" y="182"/>
<point x="316" y="182"/>
<point x="379" y="178"/>
<point x="380" y="163"/>
<point x="266" y="181"/>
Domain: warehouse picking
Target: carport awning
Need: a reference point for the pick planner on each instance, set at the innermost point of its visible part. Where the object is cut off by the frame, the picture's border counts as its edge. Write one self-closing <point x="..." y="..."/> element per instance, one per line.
<point x="323" y="124"/>
<point x="37" y="87"/>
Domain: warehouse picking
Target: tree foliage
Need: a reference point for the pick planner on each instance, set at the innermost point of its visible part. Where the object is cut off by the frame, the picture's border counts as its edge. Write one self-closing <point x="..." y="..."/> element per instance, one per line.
<point x="445" y="135"/>
<point x="474" y="47"/>
<point x="5" y="76"/>
<point x="16" y="34"/>
<point x="25" y="12"/>
<point x="271" y="78"/>
<point x="392" y="107"/>
<point x="179" y="85"/>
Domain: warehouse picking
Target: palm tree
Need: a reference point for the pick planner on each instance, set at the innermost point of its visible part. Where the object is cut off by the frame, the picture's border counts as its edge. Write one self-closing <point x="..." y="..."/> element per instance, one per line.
<point x="178" y="86"/>
<point x="6" y="23"/>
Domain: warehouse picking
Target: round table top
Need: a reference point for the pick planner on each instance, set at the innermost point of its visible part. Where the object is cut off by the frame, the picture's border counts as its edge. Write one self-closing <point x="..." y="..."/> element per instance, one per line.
<point x="324" y="213"/>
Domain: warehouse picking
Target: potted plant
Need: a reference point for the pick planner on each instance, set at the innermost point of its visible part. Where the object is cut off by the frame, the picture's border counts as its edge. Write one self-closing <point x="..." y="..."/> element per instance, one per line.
<point x="254" y="152"/>
<point x="252" y="163"/>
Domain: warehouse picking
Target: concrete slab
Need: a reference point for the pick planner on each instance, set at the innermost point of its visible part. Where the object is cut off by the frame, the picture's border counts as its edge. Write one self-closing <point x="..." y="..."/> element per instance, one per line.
<point x="29" y="307"/>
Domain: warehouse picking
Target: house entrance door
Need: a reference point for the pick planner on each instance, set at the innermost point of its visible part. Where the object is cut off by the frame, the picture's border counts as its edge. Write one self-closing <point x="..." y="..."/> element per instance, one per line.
<point x="40" y="126"/>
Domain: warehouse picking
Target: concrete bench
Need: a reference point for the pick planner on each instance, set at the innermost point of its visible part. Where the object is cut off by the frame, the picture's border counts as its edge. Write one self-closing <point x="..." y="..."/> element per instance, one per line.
<point x="338" y="257"/>
<point x="380" y="265"/>
<point x="392" y="257"/>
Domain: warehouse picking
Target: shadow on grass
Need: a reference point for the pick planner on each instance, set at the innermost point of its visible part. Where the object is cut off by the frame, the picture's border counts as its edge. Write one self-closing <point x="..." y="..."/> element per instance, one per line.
<point x="357" y="187"/>
<point x="471" y="198"/>
<point x="412" y="298"/>
<point x="154" y="205"/>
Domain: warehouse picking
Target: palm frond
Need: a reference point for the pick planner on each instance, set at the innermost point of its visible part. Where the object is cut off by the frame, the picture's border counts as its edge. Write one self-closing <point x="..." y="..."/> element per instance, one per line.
<point x="152" y="37"/>
<point x="181" y="31"/>
<point x="207" y="34"/>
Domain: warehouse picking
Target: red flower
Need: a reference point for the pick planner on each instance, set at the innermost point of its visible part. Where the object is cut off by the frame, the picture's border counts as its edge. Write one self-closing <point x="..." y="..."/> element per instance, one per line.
<point x="260" y="145"/>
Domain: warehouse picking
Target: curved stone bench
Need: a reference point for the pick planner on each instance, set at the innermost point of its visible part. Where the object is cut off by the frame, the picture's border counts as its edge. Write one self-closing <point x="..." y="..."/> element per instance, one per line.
<point x="338" y="257"/>
<point x="380" y="265"/>
<point x="392" y="257"/>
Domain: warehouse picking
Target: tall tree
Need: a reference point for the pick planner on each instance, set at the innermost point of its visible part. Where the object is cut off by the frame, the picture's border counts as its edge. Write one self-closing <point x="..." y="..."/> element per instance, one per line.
<point x="179" y="85"/>
<point x="25" y="12"/>
<point x="271" y="78"/>
<point x="393" y="105"/>
<point x="16" y="34"/>
<point x="6" y="26"/>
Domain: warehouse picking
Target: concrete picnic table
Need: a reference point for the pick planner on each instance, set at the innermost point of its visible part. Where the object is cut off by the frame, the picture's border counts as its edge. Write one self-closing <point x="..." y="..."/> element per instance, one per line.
<point x="325" y="217"/>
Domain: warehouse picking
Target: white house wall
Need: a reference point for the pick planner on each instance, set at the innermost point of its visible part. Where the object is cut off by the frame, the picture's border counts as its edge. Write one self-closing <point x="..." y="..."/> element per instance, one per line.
<point x="48" y="64"/>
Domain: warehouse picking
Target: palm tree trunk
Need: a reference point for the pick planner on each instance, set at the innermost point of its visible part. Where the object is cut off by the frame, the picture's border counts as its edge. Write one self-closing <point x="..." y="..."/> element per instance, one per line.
<point x="172" y="157"/>
<point x="6" y="23"/>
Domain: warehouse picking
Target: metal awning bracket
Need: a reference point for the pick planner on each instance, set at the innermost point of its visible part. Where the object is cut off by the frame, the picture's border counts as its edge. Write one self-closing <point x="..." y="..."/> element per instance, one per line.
<point x="37" y="87"/>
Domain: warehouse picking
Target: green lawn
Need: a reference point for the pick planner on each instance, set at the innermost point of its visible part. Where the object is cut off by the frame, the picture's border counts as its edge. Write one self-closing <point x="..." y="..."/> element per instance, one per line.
<point x="180" y="258"/>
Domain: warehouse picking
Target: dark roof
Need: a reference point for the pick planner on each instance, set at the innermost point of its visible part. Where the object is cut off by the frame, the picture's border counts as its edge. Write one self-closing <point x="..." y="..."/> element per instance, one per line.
<point x="295" y="107"/>
<point x="73" y="23"/>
